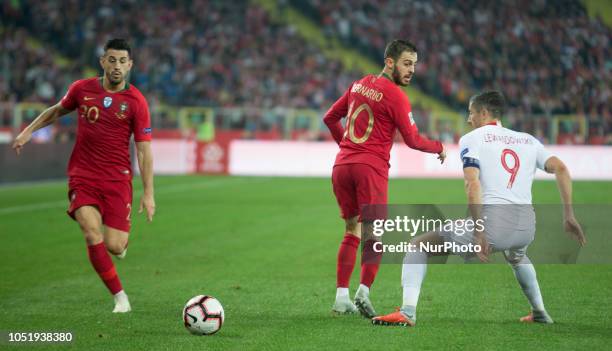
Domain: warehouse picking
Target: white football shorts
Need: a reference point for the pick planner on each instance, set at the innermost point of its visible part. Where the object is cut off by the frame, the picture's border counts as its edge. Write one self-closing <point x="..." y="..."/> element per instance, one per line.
<point x="509" y="228"/>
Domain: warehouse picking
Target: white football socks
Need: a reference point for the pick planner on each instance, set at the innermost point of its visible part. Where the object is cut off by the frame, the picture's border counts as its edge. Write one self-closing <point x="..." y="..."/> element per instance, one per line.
<point x="413" y="272"/>
<point x="122" y="304"/>
<point x="342" y="294"/>
<point x="122" y="254"/>
<point x="526" y="275"/>
<point x="363" y="291"/>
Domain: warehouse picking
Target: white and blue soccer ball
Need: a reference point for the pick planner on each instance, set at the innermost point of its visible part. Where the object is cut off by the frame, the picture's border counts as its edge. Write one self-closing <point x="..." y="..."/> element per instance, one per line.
<point x="203" y="315"/>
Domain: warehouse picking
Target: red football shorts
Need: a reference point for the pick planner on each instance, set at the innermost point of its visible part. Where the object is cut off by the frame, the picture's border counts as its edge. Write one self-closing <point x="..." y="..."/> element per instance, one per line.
<point x="356" y="185"/>
<point x="112" y="198"/>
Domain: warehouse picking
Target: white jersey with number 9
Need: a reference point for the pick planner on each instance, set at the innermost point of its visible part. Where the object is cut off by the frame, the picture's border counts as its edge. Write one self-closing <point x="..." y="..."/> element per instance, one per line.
<point x="507" y="161"/>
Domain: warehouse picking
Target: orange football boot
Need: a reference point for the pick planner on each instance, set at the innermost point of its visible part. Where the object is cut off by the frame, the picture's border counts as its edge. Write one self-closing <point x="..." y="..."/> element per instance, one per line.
<point x="396" y="318"/>
<point x="537" y="317"/>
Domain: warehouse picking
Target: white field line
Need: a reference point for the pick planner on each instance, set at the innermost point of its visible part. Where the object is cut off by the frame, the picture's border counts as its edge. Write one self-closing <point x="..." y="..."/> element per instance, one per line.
<point x="32" y="184"/>
<point x="170" y="189"/>
<point x="32" y="207"/>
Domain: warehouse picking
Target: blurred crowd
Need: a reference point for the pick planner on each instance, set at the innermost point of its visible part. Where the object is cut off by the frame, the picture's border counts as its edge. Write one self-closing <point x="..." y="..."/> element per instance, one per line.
<point x="547" y="57"/>
<point x="210" y="53"/>
<point x="32" y="74"/>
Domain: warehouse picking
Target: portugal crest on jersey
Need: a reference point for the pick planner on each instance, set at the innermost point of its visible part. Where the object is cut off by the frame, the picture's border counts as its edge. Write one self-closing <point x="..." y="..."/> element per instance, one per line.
<point x="123" y="108"/>
<point x="108" y="101"/>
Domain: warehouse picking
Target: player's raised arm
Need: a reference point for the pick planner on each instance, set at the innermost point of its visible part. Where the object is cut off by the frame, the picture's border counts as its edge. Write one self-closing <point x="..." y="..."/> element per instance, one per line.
<point x="335" y="113"/>
<point x="47" y="117"/>
<point x="564" y="182"/>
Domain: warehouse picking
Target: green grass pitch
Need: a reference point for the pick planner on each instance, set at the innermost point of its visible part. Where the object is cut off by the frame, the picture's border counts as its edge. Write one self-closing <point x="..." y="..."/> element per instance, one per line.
<point x="266" y="248"/>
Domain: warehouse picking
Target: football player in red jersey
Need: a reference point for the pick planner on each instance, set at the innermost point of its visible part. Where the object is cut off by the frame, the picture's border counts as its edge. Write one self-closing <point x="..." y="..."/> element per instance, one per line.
<point x="375" y="108"/>
<point x="109" y="111"/>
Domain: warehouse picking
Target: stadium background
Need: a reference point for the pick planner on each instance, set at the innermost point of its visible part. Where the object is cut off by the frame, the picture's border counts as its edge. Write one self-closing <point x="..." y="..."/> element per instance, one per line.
<point x="239" y="88"/>
<point x="266" y="71"/>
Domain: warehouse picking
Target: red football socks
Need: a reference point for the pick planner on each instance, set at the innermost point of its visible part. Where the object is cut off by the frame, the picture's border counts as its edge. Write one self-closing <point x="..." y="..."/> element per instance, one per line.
<point x="346" y="260"/>
<point x="370" y="261"/>
<point x="103" y="264"/>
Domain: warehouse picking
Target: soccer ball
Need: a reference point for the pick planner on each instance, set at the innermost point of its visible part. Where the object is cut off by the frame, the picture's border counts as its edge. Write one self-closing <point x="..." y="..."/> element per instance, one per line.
<point x="203" y="315"/>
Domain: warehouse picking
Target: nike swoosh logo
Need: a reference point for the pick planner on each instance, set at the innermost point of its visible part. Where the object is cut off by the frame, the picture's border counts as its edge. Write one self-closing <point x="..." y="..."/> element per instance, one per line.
<point x="87" y="98"/>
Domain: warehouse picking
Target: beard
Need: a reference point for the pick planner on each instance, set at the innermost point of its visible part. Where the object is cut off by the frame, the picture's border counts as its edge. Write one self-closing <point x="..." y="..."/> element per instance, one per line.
<point x="113" y="79"/>
<point x="397" y="79"/>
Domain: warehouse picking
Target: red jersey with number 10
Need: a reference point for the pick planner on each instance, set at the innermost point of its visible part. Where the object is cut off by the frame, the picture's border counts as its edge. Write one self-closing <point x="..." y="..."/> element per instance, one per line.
<point x="375" y="108"/>
<point x="106" y="122"/>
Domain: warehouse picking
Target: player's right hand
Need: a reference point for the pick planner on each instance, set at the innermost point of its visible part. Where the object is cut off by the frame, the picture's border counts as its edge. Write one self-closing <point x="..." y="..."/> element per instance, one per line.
<point x="21" y="140"/>
<point x="147" y="203"/>
<point x="572" y="227"/>
<point x="442" y="155"/>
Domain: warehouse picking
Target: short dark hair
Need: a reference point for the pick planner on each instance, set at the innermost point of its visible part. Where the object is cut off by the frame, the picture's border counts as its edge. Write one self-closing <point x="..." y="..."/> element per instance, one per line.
<point x="492" y="100"/>
<point x="395" y="48"/>
<point x="118" y="44"/>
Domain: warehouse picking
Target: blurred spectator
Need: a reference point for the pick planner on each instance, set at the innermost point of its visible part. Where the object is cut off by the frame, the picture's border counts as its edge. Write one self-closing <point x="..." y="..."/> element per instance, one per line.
<point x="206" y="53"/>
<point x="546" y="56"/>
<point x="30" y="73"/>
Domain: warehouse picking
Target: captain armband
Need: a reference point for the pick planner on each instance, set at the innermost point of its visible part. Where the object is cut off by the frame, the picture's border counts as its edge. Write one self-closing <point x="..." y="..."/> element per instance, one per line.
<point x="471" y="162"/>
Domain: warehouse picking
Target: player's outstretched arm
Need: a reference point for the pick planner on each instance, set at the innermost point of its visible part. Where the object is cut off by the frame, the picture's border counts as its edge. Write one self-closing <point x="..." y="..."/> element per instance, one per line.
<point x="414" y="140"/>
<point x="145" y="163"/>
<point x="564" y="182"/>
<point x="46" y="118"/>
<point x="400" y="112"/>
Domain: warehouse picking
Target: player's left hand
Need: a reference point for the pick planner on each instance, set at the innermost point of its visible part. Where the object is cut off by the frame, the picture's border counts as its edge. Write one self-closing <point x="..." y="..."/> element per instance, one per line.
<point x="572" y="227"/>
<point x="442" y="155"/>
<point x="147" y="202"/>
<point x="480" y="238"/>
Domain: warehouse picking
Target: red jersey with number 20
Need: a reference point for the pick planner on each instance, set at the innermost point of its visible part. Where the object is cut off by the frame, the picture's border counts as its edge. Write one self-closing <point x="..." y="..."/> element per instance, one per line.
<point x="375" y="108"/>
<point x="106" y="122"/>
